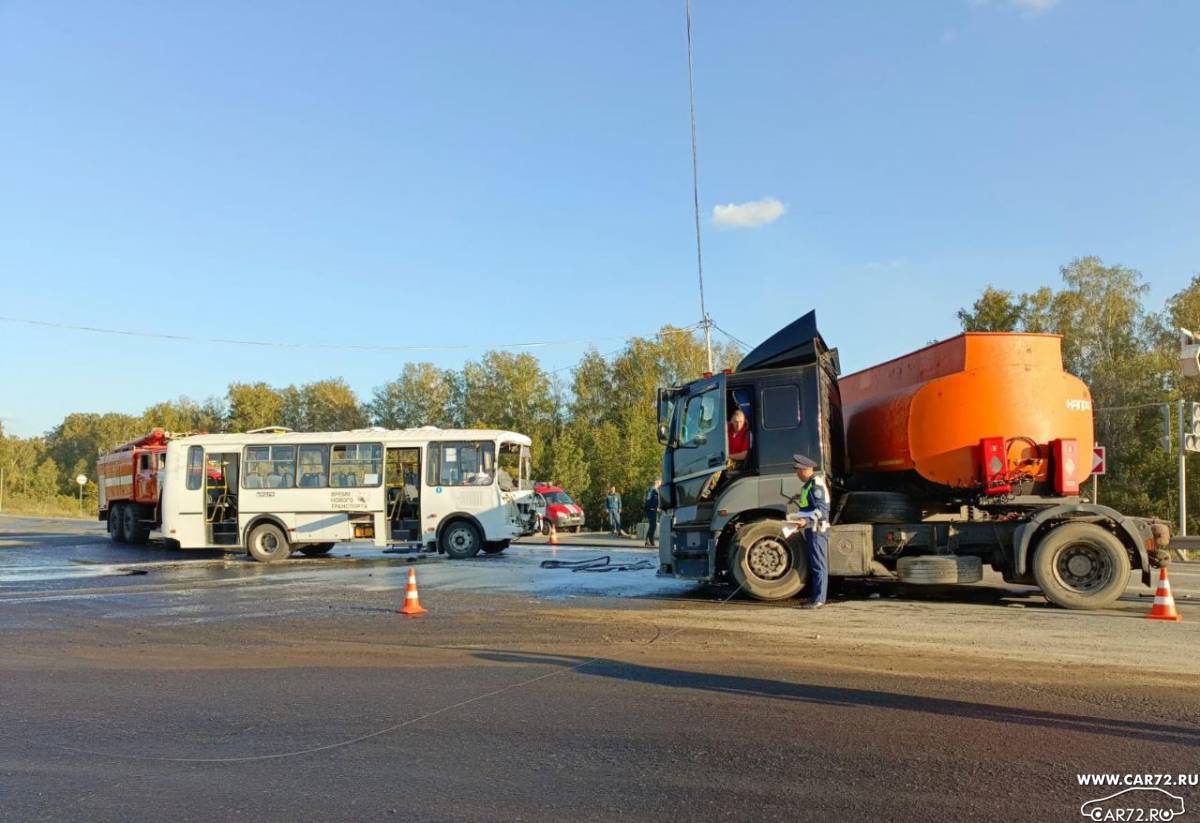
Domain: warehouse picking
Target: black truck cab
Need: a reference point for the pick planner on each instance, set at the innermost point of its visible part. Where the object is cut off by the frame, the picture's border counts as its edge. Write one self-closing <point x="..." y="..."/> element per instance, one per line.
<point x="787" y="389"/>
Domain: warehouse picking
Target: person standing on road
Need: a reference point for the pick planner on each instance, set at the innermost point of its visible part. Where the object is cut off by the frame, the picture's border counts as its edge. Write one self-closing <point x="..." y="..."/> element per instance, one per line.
<point x="813" y="517"/>
<point x="652" y="511"/>
<point x="612" y="504"/>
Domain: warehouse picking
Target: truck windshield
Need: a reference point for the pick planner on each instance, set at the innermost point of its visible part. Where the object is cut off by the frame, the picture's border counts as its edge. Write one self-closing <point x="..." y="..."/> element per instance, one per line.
<point x="700" y="418"/>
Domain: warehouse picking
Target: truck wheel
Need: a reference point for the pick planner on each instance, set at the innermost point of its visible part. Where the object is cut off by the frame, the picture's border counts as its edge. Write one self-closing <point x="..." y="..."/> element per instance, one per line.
<point x="460" y="540"/>
<point x="315" y="549"/>
<point x="268" y="544"/>
<point x="938" y="570"/>
<point x="1081" y="566"/>
<point x="131" y="530"/>
<point x="878" y="507"/>
<point x="116" y="521"/>
<point x="767" y="565"/>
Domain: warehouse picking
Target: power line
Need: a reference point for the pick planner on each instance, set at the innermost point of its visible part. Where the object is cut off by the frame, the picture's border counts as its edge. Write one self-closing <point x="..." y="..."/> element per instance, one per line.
<point x="740" y="342"/>
<point x="608" y="354"/>
<point x="183" y="338"/>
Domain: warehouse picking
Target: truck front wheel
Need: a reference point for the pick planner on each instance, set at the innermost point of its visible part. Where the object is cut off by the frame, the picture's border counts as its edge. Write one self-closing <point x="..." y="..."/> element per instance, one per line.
<point x="767" y="565"/>
<point x="1081" y="566"/>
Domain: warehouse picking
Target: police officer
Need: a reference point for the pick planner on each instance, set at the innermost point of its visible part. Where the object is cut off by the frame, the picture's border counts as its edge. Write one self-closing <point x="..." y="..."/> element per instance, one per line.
<point x="814" y="516"/>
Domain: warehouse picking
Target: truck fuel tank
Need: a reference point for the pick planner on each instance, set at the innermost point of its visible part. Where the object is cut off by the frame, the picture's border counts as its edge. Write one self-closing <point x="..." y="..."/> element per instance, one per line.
<point x="929" y="411"/>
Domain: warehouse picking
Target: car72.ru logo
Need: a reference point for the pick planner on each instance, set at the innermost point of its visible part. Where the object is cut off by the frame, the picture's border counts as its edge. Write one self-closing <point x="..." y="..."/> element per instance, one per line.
<point x="1141" y="804"/>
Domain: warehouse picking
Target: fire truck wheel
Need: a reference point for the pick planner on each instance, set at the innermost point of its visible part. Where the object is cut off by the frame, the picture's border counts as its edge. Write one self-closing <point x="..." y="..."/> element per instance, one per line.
<point x="460" y="540"/>
<point x="135" y="533"/>
<point x="1081" y="566"/>
<point x="268" y="543"/>
<point x="116" y="520"/>
<point x="315" y="549"/>
<point x="131" y="530"/>
<point x="767" y="565"/>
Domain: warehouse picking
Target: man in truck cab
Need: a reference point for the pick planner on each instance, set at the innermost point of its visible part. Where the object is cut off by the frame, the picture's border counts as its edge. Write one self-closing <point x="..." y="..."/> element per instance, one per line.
<point x="740" y="440"/>
<point x="813" y="518"/>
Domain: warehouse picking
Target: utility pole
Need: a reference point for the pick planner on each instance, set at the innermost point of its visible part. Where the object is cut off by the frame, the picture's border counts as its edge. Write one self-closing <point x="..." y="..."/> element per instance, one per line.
<point x="1182" y="471"/>
<point x="1189" y="368"/>
<point x="705" y="320"/>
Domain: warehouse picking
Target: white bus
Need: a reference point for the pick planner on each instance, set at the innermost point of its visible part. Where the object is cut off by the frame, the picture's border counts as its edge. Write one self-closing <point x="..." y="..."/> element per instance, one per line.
<point x="273" y="492"/>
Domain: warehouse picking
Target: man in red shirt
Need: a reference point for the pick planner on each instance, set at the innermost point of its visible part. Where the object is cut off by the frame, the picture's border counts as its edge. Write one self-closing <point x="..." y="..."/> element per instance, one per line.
<point x="740" y="439"/>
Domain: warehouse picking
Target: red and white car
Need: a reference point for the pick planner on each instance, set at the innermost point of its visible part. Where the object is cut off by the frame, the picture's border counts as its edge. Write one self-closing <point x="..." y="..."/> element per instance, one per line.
<point x="556" y="506"/>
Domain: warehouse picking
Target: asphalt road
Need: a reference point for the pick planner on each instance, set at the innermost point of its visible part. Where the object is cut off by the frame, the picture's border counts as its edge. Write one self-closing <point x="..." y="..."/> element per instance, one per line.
<point x="139" y="685"/>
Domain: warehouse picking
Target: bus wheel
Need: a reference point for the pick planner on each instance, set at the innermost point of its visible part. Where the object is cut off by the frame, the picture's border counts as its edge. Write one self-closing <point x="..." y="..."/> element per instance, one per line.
<point x="316" y="549"/>
<point x="765" y="564"/>
<point x="116" y="523"/>
<point x="1081" y="566"/>
<point x="495" y="547"/>
<point x="461" y="540"/>
<point x="268" y="544"/>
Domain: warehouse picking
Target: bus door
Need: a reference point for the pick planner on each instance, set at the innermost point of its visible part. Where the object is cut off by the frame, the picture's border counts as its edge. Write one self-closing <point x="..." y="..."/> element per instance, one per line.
<point x="403" y="474"/>
<point x="221" y="498"/>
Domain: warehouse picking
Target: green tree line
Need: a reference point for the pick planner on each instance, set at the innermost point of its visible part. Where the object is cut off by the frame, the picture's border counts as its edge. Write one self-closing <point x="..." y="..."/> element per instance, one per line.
<point x="593" y="426"/>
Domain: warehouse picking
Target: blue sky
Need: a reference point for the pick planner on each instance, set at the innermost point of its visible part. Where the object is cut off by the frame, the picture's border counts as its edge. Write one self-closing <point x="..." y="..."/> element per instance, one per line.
<point x="386" y="173"/>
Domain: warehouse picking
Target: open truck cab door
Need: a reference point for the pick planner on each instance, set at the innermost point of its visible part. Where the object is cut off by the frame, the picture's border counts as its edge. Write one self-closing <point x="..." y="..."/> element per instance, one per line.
<point x="695" y="433"/>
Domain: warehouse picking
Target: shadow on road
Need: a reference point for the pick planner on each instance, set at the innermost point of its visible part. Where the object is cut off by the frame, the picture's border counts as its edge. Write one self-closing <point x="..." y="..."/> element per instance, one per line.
<point x="846" y="697"/>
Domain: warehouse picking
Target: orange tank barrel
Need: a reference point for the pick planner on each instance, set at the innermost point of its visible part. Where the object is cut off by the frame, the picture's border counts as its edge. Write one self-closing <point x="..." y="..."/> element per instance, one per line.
<point x="929" y="411"/>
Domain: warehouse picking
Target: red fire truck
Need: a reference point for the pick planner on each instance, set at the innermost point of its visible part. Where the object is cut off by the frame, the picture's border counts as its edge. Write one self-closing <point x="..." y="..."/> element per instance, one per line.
<point x="129" y="486"/>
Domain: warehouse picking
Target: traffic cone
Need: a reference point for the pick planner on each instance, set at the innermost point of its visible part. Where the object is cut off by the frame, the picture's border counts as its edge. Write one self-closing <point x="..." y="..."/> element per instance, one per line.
<point x="553" y="535"/>
<point x="412" y="603"/>
<point x="1164" y="603"/>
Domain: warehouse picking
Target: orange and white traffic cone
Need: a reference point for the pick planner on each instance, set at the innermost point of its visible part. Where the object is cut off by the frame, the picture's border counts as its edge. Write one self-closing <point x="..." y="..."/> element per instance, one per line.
<point x="553" y="535"/>
<point x="1164" y="603"/>
<point x="412" y="603"/>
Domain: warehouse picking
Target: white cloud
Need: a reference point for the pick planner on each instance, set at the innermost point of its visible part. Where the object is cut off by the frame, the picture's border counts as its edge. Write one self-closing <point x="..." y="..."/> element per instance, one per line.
<point x="1034" y="6"/>
<point x="748" y="215"/>
<point x="1030" y="8"/>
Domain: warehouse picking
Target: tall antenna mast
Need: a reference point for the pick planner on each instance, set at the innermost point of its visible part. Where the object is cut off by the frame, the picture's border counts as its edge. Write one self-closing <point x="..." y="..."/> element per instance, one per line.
<point x="705" y="320"/>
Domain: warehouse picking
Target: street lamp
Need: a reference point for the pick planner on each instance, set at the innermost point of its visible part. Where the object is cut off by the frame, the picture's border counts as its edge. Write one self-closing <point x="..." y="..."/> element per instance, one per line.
<point x="82" y="481"/>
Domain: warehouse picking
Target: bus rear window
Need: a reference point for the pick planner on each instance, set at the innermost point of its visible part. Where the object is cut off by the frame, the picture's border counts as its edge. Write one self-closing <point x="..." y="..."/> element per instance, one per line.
<point x="195" y="467"/>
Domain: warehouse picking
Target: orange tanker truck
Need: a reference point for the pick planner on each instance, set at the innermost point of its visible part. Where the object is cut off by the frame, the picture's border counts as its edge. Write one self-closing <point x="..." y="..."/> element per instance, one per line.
<point x="968" y="452"/>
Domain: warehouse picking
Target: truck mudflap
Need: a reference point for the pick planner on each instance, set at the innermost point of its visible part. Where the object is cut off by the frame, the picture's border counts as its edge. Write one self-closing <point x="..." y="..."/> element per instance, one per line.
<point x="1146" y="535"/>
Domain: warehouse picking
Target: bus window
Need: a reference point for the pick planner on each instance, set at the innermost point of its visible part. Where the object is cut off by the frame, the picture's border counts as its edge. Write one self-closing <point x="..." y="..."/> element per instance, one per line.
<point x="513" y="472"/>
<point x="468" y="463"/>
<point x="314" y="466"/>
<point x="195" y="467"/>
<point x="270" y="467"/>
<point x="356" y="464"/>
